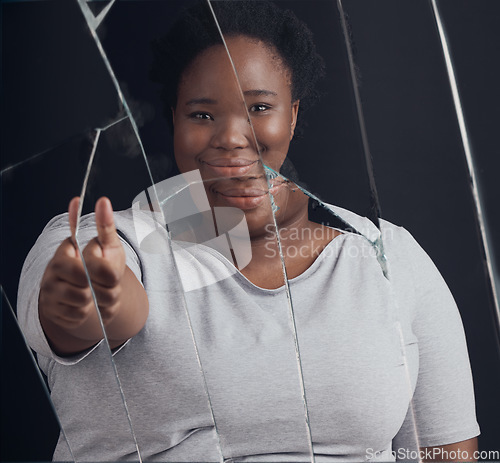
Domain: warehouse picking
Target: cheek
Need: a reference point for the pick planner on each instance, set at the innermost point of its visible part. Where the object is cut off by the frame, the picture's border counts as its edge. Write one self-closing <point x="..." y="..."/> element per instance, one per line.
<point x="189" y="142"/>
<point x="274" y="131"/>
<point x="274" y="136"/>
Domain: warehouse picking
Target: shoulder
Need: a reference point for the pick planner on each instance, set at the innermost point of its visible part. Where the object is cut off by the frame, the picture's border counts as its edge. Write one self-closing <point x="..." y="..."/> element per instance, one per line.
<point x="412" y="273"/>
<point x="392" y="235"/>
<point x="394" y="241"/>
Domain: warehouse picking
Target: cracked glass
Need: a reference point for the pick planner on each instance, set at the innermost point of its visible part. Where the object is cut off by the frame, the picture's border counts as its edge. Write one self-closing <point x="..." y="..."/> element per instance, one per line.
<point x="249" y="354"/>
<point x="334" y="331"/>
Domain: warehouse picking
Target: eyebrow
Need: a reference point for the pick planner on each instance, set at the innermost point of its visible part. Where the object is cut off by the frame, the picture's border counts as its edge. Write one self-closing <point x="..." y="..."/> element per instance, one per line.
<point x="196" y="101"/>
<point x="259" y="92"/>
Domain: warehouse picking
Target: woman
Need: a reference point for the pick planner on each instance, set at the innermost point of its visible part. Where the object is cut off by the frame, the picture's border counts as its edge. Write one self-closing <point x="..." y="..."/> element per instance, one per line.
<point x="320" y="358"/>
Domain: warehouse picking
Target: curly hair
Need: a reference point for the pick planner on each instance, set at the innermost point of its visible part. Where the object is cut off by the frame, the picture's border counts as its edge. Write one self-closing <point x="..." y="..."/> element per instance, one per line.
<point x="195" y="31"/>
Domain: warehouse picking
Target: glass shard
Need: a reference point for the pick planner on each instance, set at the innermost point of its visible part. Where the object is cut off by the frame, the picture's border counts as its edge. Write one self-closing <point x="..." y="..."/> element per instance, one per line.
<point x="275" y="332"/>
<point x="80" y="249"/>
<point x="100" y="8"/>
<point x="486" y="237"/>
<point x="416" y="142"/>
<point x="24" y="189"/>
<point x="359" y="112"/>
<point x="55" y="85"/>
<point x="95" y="12"/>
<point x="25" y="397"/>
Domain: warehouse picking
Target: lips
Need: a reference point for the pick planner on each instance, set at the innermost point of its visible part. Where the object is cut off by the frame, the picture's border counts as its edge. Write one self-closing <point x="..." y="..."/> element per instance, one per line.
<point x="242" y="200"/>
<point x="229" y="167"/>
<point x="243" y="192"/>
<point x="240" y="182"/>
<point x="230" y="162"/>
<point x="246" y="197"/>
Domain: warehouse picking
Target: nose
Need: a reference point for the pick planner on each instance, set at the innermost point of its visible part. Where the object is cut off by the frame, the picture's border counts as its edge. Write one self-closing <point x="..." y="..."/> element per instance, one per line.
<point x="232" y="134"/>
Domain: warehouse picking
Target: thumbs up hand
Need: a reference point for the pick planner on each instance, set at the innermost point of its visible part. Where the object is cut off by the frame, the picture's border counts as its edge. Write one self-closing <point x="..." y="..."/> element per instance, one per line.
<point x="66" y="306"/>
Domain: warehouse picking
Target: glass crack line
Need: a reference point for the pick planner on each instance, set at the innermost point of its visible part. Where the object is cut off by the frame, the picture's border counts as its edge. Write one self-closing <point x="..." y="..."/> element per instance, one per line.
<point x="106" y="341"/>
<point x="40" y="377"/>
<point x="89" y="168"/>
<point x="402" y="344"/>
<point x="20" y="163"/>
<point x="474" y="183"/>
<point x="41" y="153"/>
<point x="84" y="8"/>
<point x="360" y="115"/>
<point x="86" y="12"/>
<point x="85" y="181"/>
<point x="377" y="244"/>
<point x="105" y="337"/>
<point x="48" y="150"/>
<point x="280" y="249"/>
<point x="113" y="123"/>
<point x="95" y="21"/>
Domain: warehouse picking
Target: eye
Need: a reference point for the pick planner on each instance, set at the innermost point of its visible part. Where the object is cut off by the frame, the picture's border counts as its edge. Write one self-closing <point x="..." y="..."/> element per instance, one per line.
<point x="201" y="116"/>
<point x="260" y="107"/>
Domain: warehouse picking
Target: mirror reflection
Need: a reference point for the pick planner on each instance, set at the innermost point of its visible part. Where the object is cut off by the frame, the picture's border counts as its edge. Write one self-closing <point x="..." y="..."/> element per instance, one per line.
<point x="250" y="313"/>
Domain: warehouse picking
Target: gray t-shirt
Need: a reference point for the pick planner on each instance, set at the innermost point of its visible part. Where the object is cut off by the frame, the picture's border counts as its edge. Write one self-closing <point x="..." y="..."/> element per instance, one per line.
<point x="366" y="346"/>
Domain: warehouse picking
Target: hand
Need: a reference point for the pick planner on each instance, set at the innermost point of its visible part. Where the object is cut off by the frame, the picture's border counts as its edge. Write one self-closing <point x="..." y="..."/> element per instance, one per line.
<point x="66" y="306"/>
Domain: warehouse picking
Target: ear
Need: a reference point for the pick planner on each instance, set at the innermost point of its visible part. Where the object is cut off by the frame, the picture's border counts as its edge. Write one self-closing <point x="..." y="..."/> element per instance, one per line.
<point x="295" y="113"/>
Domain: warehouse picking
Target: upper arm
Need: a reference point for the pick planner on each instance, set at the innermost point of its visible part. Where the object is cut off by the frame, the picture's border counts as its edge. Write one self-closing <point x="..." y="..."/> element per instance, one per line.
<point x="442" y="411"/>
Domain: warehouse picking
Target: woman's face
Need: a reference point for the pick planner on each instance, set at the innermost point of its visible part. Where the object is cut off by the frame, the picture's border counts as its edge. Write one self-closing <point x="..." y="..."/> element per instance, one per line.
<point x="211" y="128"/>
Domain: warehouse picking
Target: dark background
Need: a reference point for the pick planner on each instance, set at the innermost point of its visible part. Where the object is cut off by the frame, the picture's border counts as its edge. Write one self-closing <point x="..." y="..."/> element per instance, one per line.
<point x="56" y="90"/>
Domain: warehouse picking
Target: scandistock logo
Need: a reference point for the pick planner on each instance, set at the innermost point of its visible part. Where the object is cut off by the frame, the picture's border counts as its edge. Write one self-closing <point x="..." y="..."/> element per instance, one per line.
<point x="178" y="207"/>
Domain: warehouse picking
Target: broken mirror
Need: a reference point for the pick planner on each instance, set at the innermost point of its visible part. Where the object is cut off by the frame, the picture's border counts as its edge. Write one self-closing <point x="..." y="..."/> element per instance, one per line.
<point x="227" y="222"/>
<point x="428" y="91"/>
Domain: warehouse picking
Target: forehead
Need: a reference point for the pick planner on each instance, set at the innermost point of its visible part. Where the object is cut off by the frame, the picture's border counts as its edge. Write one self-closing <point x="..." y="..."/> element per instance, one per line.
<point x="258" y="65"/>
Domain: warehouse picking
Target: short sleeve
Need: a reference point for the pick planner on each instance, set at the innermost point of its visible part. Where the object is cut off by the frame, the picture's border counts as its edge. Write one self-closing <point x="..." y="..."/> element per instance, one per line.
<point x="34" y="267"/>
<point x="443" y="407"/>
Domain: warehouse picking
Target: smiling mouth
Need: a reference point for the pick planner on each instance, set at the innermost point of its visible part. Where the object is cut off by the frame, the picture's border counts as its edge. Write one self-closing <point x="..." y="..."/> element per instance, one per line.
<point x="247" y="198"/>
<point x="229" y="167"/>
<point x="243" y="199"/>
<point x="230" y="162"/>
<point x="243" y="193"/>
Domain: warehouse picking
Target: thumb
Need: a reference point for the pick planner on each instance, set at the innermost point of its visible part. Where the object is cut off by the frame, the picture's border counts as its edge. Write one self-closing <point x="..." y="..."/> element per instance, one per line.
<point x="106" y="231"/>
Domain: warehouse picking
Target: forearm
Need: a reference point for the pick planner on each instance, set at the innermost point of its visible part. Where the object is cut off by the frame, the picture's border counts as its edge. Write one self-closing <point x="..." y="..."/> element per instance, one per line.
<point x="460" y="451"/>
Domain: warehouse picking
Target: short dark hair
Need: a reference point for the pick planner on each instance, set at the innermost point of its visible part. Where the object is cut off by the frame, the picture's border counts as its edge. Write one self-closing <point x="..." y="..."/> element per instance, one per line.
<point x="195" y="31"/>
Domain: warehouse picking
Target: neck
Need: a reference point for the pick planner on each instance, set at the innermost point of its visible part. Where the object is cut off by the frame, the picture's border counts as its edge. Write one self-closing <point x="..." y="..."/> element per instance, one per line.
<point x="291" y="219"/>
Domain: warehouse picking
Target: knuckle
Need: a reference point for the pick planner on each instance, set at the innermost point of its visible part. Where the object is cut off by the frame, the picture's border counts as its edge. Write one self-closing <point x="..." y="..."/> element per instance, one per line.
<point x="78" y="275"/>
<point x="107" y="275"/>
<point x="91" y="248"/>
<point x="87" y="295"/>
<point x="113" y="277"/>
<point x="74" y="296"/>
<point x="70" y="295"/>
<point x="108" y="296"/>
<point x="72" y="317"/>
<point x="47" y="285"/>
<point x="69" y="268"/>
<point x="109" y="313"/>
<point x="114" y="294"/>
<point x="83" y="312"/>
<point x="58" y="265"/>
<point x="83" y="297"/>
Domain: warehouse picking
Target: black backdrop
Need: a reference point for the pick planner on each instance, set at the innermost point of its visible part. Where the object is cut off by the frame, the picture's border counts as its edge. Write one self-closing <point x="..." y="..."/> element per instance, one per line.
<point x="55" y="90"/>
